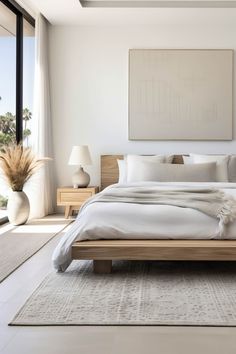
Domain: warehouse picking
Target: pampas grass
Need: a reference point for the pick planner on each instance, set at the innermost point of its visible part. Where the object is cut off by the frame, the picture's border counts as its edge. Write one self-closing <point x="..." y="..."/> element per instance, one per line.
<point x="18" y="165"/>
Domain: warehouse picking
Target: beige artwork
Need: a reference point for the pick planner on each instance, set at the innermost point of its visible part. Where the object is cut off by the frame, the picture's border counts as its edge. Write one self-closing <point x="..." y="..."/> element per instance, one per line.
<point x="180" y="94"/>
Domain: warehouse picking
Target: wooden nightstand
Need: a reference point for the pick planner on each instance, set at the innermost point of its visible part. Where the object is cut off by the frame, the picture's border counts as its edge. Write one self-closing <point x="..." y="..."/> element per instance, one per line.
<point x="73" y="198"/>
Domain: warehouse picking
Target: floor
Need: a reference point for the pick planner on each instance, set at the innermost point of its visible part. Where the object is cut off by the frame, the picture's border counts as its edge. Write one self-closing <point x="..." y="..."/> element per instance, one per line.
<point x="90" y="340"/>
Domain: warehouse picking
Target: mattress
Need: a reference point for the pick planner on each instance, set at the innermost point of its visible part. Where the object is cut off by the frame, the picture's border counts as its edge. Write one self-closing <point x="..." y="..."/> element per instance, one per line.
<point x="138" y="221"/>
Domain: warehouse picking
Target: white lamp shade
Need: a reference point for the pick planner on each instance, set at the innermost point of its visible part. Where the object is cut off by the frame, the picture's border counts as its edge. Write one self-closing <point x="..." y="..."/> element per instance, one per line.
<point x="80" y="156"/>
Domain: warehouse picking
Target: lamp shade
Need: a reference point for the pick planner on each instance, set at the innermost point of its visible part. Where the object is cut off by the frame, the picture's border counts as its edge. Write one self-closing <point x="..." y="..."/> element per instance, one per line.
<point x="80" y="156"/>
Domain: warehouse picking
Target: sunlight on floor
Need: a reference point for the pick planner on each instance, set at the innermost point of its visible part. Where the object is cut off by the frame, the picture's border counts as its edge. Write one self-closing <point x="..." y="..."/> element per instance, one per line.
<point x="6" y="227"/>
<point x="30" y="229"/>
<point x="38" y="229"/>
<point x="47" y="225"/>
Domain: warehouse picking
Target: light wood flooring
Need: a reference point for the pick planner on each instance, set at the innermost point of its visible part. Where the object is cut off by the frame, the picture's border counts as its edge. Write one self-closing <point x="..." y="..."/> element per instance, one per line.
<point x="90" y="340"/>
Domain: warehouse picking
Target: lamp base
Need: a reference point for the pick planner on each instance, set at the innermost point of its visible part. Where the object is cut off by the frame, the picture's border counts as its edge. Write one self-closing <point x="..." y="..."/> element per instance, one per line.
<point x="80" y="178"/>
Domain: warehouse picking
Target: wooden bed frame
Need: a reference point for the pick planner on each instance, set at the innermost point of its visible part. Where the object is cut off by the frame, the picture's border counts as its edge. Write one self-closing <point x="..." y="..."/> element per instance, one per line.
<point x="102" y="252"/>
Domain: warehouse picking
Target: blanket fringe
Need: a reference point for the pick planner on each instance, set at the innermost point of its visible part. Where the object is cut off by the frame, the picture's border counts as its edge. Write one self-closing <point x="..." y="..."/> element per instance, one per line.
<point x="227" y="214"/>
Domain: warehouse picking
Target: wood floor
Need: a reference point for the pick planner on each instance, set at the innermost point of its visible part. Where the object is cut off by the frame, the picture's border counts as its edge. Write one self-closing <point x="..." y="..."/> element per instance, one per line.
<point x="90" y="340"/>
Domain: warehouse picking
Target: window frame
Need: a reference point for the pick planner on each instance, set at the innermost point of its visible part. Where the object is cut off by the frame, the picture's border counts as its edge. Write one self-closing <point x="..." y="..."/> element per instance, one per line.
<point x="21" y="14"/>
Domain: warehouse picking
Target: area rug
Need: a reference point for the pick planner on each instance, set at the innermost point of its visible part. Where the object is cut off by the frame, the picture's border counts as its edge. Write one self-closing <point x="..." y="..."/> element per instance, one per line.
<point x="18" y="244"/>
<point x="136" y="293"/>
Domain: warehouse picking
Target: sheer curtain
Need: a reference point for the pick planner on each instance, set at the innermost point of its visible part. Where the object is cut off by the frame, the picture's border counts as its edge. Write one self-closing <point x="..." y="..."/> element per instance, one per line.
<point x="41" y="190"/>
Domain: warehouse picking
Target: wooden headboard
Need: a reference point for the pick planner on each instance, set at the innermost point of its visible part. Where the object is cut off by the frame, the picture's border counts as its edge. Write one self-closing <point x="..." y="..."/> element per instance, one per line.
<point x="110" y="172"/>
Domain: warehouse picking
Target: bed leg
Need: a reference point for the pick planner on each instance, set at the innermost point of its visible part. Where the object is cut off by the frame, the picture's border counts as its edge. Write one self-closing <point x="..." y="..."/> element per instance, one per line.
<point x="102" y="266"/>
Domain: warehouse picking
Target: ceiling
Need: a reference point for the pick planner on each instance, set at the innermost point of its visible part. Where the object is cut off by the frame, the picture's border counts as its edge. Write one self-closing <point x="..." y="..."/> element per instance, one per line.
<point x="71" y="12"/>
<point x="158" y="3"/>
<point x="8" y="24"/>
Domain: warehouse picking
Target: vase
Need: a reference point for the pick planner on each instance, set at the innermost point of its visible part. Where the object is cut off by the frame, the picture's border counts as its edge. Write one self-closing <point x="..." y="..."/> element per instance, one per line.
<point x="80" y="178"/>
<point x="18" y="208"/>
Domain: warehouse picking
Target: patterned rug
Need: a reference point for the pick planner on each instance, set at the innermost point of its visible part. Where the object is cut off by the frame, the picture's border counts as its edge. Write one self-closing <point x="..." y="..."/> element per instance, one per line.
<point x="136" y="293"/>
<point x="17" y="244"/>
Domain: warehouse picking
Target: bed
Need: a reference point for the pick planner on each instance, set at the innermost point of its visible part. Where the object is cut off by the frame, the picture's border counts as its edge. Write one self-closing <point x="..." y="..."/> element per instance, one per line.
<point x="103" y="251"/>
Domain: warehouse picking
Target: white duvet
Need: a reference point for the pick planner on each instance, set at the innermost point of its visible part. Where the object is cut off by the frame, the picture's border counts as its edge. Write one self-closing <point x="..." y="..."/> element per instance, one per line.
<point x="138" y="221"/>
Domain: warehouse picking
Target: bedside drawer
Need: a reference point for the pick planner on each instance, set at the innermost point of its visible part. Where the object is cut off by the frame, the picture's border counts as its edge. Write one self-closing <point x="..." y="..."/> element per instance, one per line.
<point x="74" y="198"/>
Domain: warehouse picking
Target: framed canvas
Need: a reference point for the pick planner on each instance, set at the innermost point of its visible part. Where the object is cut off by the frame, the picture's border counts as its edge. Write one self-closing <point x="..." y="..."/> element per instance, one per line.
<point x="180" y="94"/>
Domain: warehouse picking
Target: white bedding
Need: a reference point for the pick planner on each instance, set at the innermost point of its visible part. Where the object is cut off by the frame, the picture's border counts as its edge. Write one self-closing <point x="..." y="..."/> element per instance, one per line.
<point x="138" y="221"/>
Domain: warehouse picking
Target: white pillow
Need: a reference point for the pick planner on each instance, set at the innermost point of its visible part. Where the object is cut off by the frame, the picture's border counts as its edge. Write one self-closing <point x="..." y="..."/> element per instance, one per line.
<point x="221" y="164"/>
<point x="134" y="164"/>
<point x="122" y="164"/>
<point x="122" y="171"/>
<point x="161" y="172"/>
<point x="187" y="160"/>
<point x="168" y="158"/>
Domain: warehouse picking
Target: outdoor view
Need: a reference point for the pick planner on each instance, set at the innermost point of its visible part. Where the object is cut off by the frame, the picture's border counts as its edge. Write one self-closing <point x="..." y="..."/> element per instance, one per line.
<point x="8" y="85"/>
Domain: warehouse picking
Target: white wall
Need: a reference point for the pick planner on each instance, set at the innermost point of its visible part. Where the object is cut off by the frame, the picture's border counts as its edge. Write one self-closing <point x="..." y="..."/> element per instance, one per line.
<point x="89" y="84"/>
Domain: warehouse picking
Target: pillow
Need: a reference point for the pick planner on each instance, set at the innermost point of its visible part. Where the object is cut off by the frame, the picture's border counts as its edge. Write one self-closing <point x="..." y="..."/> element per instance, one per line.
<point x="187" y="160"/>
<point x="122" y="171"/>
<point x="232" y="169"/>
<point x="231" y="166"/>
<point x="168" y="158"/>
<point x="149" y="171"/>
<point x="122" y="164"/>
<point x="221" y="164"/>
<point x="134" y="163"/>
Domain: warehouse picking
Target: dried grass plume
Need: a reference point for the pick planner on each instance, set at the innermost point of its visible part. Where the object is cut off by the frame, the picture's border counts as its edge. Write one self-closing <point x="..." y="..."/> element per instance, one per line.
<point x="18" y="164"/>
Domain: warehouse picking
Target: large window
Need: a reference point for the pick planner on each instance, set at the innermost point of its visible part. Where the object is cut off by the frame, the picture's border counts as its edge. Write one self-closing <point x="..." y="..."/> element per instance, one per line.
<point x="7" y="75"/>
<point x="28" y="79"/>
<point x="17" y="40"/>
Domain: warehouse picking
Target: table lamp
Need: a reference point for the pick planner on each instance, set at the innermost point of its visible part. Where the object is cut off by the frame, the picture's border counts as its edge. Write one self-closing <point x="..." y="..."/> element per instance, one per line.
<point x="80" y="156"/>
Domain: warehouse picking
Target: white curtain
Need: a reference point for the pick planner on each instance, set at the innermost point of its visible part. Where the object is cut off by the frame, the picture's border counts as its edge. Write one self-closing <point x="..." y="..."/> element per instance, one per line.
<point x="41" y="190"/>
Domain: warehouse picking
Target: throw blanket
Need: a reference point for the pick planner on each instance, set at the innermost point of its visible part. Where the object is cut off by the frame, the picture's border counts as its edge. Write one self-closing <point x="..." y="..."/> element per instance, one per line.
<point x="210" y="201"/>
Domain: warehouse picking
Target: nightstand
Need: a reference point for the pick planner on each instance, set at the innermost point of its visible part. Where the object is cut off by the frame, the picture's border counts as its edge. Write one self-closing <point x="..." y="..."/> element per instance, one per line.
<point x="73" y="198"/>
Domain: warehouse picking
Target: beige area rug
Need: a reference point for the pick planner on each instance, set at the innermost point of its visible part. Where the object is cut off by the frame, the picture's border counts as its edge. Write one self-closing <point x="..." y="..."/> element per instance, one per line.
<point x="136" y="293"/>
<point x="17" y="244"/>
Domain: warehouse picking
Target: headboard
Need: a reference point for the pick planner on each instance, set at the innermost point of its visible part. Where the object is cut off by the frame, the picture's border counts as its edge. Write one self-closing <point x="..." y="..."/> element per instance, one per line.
<point x="110" y="172"/>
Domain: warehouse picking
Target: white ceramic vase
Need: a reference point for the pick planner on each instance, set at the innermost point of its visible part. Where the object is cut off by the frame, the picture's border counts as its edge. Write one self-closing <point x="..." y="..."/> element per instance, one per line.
<point x="18" y="208"/>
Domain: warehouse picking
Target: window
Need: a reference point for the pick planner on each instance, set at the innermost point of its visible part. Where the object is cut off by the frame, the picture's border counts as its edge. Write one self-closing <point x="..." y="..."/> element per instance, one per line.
<point x="28" y="79"/>
<point x="8" y="75"/>
<point x="16" y="83"/>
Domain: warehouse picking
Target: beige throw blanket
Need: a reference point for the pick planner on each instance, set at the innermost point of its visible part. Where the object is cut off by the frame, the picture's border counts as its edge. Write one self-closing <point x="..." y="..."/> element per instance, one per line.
<point x="212" y="202"/>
